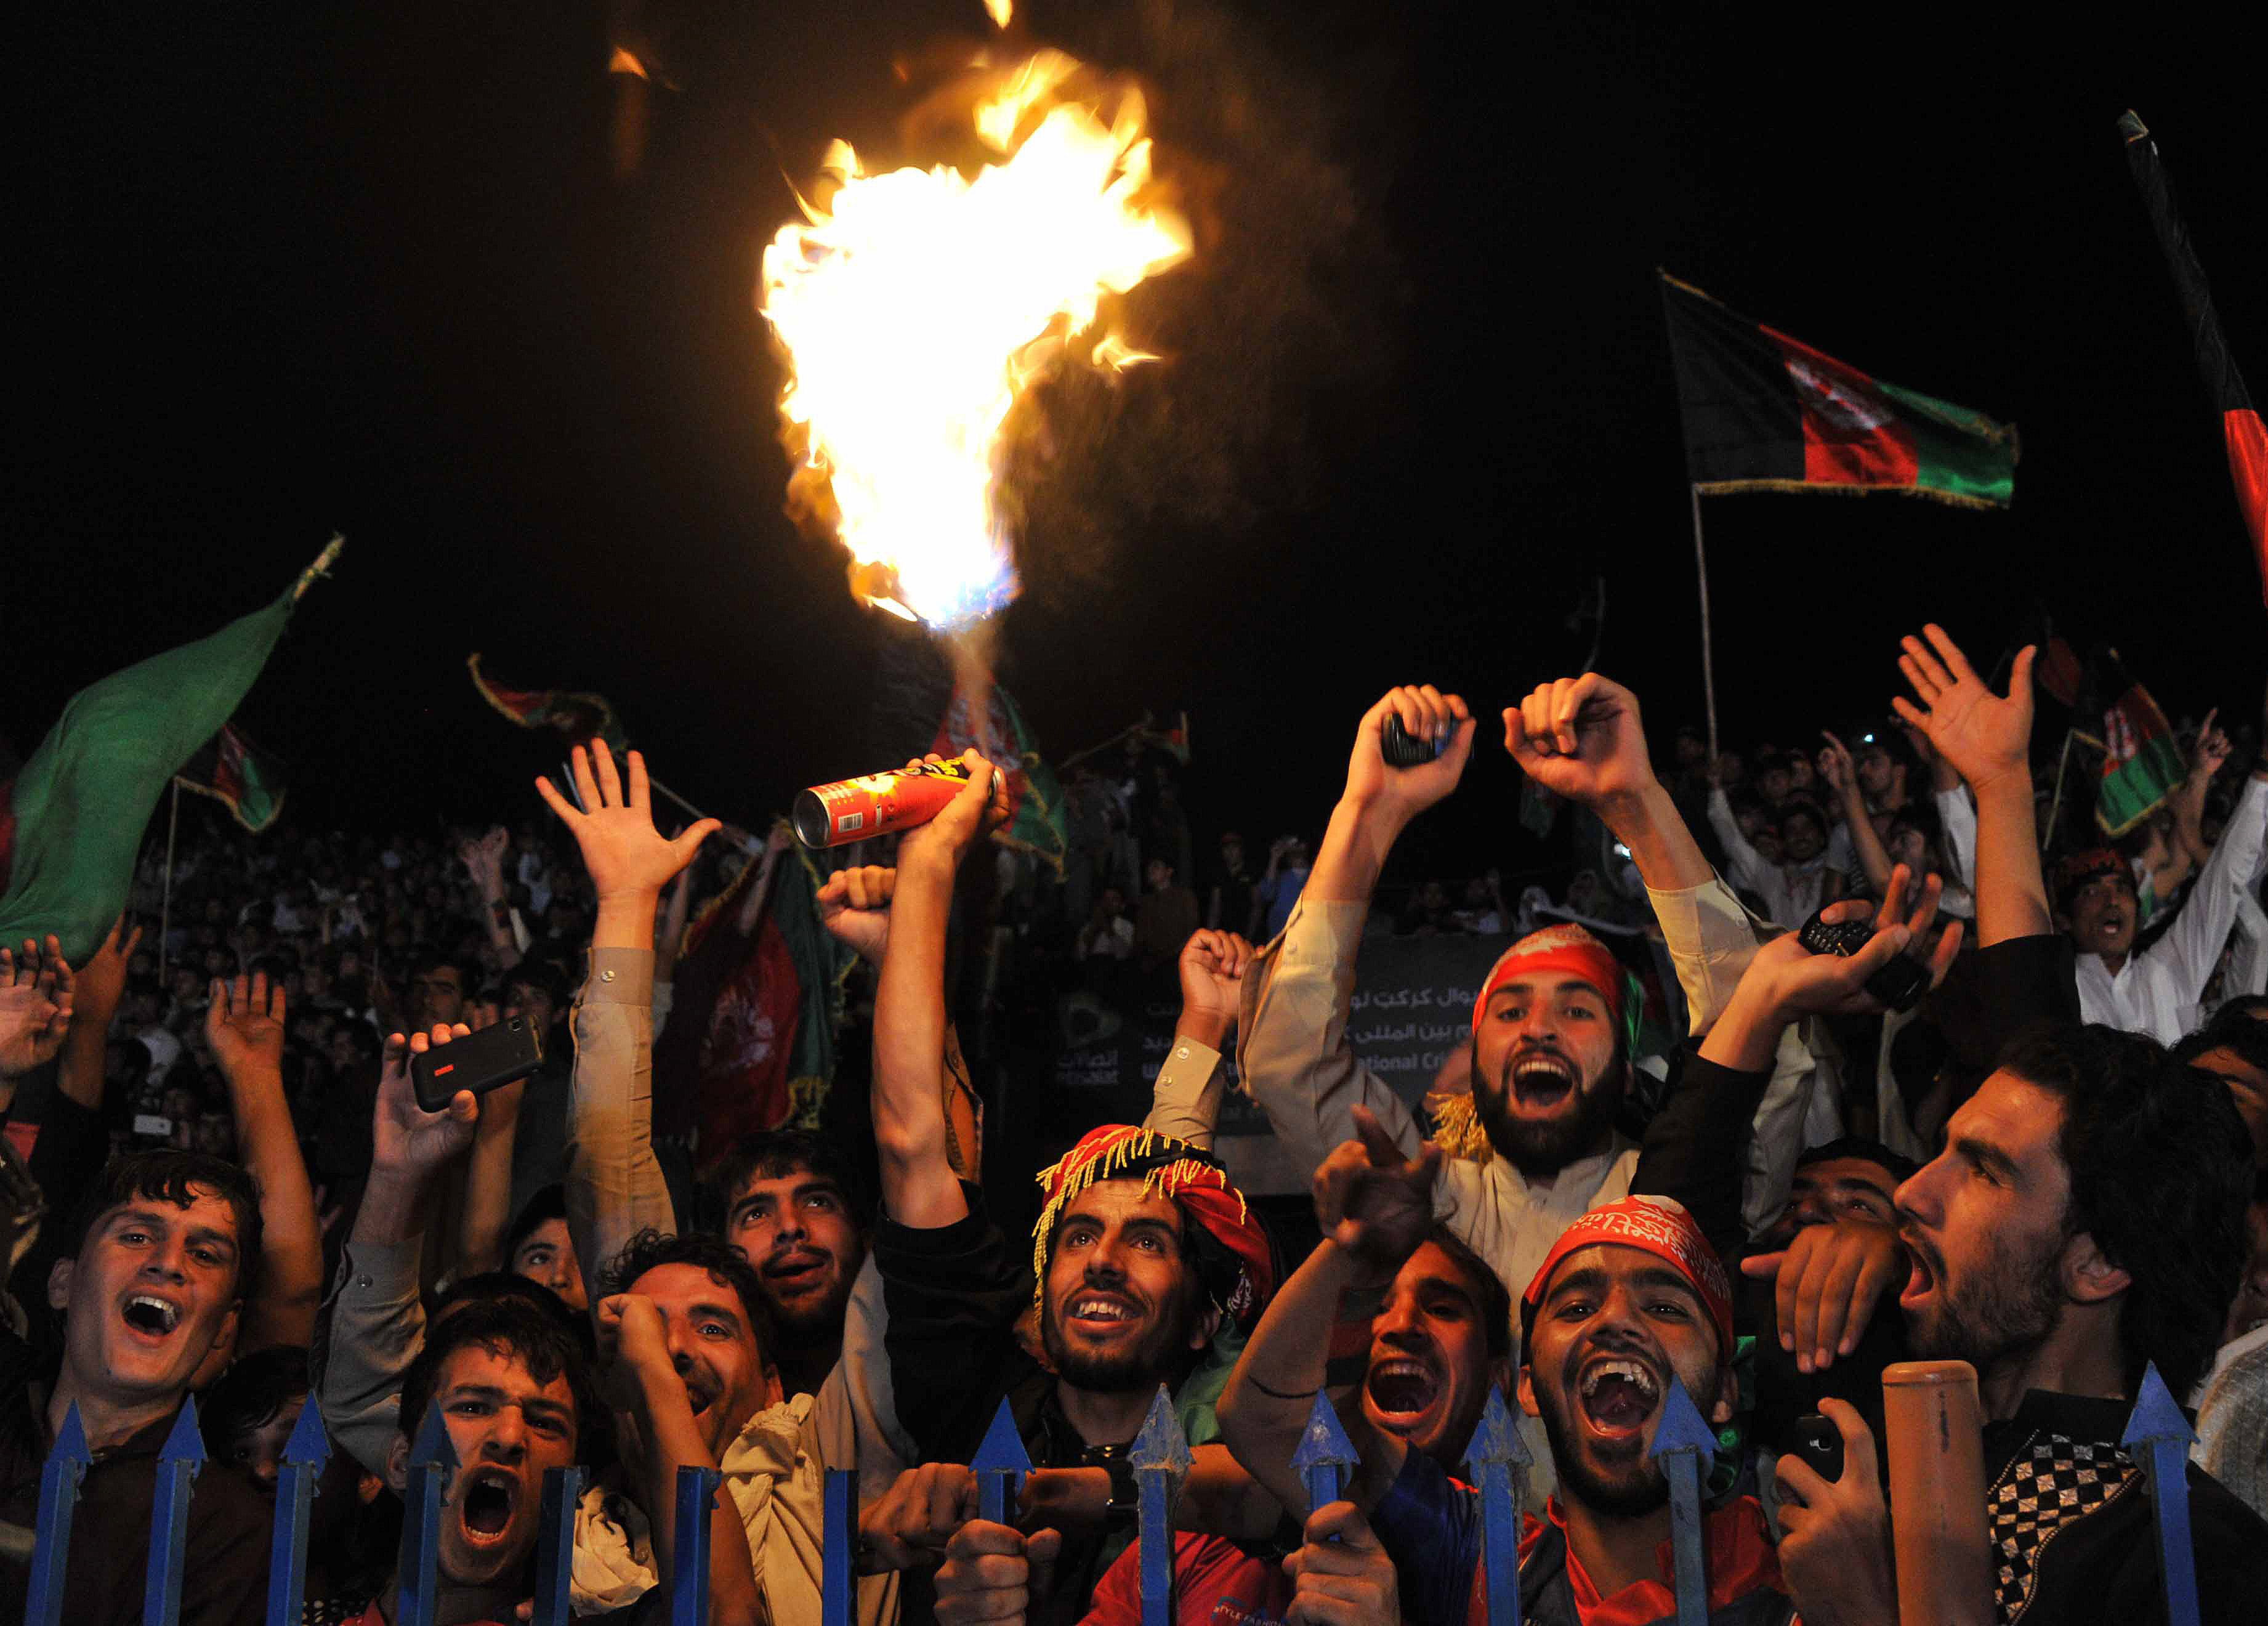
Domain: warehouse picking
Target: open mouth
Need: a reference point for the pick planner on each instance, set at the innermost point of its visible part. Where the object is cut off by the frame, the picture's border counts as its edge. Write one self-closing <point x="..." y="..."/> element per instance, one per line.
<point x="1921" y="1281"/>
<point x="485" y="1509"/>
<point x="1540" y="1083"/>
<point x="1100" y="1315"/>
<point x="1619" y="1393"/>
<point x="795" y="1271"/>
<point x="1402" y="1390"/>
<point x="151" y="1315"/>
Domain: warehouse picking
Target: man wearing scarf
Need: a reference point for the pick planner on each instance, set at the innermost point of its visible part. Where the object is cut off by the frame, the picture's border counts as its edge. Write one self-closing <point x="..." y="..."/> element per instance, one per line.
<point x="1142" y="1257"/>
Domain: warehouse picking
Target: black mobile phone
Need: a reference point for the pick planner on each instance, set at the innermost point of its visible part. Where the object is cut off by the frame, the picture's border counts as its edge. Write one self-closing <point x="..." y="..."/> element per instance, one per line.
<point x="1819" y="1444"/>
<point x="502" y="1053"/>
<point x="1404" y="750"/>
<point x="1899" y="984"/>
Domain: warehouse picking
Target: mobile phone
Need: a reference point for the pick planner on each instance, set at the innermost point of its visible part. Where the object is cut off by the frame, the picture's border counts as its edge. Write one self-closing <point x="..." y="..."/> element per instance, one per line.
<point x="502" y="1053"/>
<point x="1899" y="984"/>
<point x="1404" y="750"/>
<point x="152" y="1124"/>
<point x="1818" y="1442"/>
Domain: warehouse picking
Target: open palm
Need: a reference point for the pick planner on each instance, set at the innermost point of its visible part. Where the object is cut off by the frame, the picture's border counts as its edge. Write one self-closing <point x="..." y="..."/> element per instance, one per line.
<point x="1981" y="734"/>
<point x="36" y="996"/>
<point x="627" y="857"/>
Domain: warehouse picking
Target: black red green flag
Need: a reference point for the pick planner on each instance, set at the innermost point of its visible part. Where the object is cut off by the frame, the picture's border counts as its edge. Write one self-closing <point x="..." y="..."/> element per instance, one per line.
<point x="2241" y="429"/>
<point x="575" y="718"/>
<point x="1766" y="412"/>
<point x="229" y="770"/>
<point x="2142" y="760"/>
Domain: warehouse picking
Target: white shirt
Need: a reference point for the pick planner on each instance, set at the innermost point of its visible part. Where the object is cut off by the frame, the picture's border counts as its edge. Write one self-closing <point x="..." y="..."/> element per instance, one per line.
<point x="2156" y="992"/>
<point x="1792" y="893"/>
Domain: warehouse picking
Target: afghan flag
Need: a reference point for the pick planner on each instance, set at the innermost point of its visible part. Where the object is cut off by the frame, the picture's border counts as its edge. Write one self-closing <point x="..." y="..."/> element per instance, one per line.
<point x="2241" y="427"/>
<point x="575" y="718"/>
<point x="1765" y="412"/>
<point x="2142" y="762"/>
<point x="229" y="771"/>
<point x="72" y="820"/>
<point x="750" y="1042"/>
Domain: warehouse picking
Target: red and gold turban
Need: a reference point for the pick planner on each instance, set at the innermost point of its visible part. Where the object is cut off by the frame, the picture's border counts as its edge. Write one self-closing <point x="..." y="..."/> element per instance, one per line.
<point x="1232" y="1252"/>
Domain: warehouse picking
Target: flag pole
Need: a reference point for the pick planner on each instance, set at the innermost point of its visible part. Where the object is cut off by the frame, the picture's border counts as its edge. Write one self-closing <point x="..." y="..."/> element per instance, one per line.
<point x="1708" y="661"/>
<point x="165" y="908"/>
<point x="2055" y="807"/>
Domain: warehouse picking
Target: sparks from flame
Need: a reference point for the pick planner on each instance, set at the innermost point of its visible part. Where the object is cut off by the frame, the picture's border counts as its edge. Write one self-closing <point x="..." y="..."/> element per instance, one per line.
<point x="915" y="305"/>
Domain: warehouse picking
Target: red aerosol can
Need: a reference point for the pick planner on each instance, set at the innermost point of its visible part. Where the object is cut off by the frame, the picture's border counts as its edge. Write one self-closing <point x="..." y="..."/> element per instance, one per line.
<point x="875" y="805"/>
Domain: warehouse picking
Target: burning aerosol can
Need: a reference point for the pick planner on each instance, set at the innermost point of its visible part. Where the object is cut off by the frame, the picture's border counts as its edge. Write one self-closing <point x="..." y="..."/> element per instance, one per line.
<point x="875" y="805"/>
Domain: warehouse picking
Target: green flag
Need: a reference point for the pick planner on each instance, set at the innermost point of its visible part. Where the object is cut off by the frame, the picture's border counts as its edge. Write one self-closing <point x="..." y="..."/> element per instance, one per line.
<point x="74" y="816"/>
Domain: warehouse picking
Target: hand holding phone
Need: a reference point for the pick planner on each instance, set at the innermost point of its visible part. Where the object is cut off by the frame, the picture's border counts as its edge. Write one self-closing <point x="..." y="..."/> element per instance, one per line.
<point x="502" y="1053"/>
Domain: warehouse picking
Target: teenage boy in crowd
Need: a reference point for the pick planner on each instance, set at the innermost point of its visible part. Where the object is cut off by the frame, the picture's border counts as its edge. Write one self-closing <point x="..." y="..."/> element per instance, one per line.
<point x="154" y="1273"/>
<point x="516" y="1393"/>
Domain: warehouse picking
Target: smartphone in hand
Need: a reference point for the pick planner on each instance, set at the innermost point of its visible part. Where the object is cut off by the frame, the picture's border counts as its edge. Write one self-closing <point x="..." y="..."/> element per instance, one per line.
<point x="502" y="1053"/>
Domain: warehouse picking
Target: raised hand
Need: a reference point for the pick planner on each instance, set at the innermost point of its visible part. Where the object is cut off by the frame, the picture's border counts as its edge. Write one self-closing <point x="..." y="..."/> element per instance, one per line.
<point x="1427" y="715"/>
<point x="2213" y="747"/>
<point x="628" y="859"/>
<point x="854" y="907"/>
<point x="484" y="855"/>
<point x="1798" y="982"/>
<point x="1581" y="738"/>
<point x="1835" y="765"/>
<point x="1984" y="736"/>
<point x="36" y="997"/>
<point x="1212" y="966"/>
<point x="245" y="1024"/>
<point x="101" y="981"/>
<point x="1371" y="1201"/>
<point x="945" y="840"/>
<point x="405" y="1138"/>
<point x="633" y="1344"/>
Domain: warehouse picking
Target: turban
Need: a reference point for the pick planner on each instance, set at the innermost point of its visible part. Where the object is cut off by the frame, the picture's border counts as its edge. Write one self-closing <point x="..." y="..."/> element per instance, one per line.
<point x="1230" y="1244"/>
<point x="1656" y="1226"/>
<point x="1566" y="949"/>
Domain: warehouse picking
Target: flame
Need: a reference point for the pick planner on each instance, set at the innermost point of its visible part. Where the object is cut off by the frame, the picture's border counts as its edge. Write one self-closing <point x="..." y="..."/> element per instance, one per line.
<point x="625" y="60"/>
<point x="915" y="306"/>
<point x="1000" y="12"/>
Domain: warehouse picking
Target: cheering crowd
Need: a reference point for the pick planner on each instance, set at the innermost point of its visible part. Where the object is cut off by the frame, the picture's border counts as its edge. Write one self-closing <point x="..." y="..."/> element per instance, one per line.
<point x="1928" y="1092"/>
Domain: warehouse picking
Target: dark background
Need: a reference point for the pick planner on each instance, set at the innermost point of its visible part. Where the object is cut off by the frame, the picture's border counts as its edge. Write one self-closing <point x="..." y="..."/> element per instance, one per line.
<point x="283" y="270"/>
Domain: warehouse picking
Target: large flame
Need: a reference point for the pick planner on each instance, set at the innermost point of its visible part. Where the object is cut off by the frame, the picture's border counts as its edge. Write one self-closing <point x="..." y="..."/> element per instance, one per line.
<point x="915" y="305"/>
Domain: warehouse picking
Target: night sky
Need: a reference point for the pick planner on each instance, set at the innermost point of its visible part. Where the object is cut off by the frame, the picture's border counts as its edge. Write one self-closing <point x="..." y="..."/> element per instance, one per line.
<point x="287" y="268"/>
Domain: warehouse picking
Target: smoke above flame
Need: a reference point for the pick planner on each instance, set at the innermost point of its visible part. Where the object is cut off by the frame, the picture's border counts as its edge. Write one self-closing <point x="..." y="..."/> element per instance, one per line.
<point x="916" y="307"/>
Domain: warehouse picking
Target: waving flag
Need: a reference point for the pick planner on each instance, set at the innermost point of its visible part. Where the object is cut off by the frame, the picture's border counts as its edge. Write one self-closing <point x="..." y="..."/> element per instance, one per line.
<point x="1765" y="412"/>
<point x="2241" y="429"/>
<point x="575" y="718"/>
<point x="230" y="772"/>
<point x="72" y="820"/>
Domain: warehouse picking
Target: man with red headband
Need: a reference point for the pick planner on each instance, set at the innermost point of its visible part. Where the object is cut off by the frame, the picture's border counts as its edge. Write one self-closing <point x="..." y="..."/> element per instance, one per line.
<point x="1631" y="1293"/>
<point x="1144" y="1252"/>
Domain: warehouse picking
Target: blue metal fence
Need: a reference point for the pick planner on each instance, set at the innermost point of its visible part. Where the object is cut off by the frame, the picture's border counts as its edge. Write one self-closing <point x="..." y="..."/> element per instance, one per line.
<point x="2158" y="1434"/>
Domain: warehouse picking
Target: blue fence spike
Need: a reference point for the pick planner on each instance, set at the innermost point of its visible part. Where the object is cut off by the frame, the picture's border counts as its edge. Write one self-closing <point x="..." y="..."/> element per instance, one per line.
<point x="1000" y="1463"/>
<point x="688" y="1581"/>
<point x="2159" y="1437"/>
<point x="1161" y="1459"/>
<point x="1325" y="1458"/>
<point x="838" y="1586"/>
<point x="1682" y="1444"/>
<point x="59" y="1482"/>
<point x="305" y="1455"/>
<point x="179" y="1458"/>
<point x="1497" y="1460"/>
<point x="432" y="1469"/>
<point x="555" y="1543"/>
